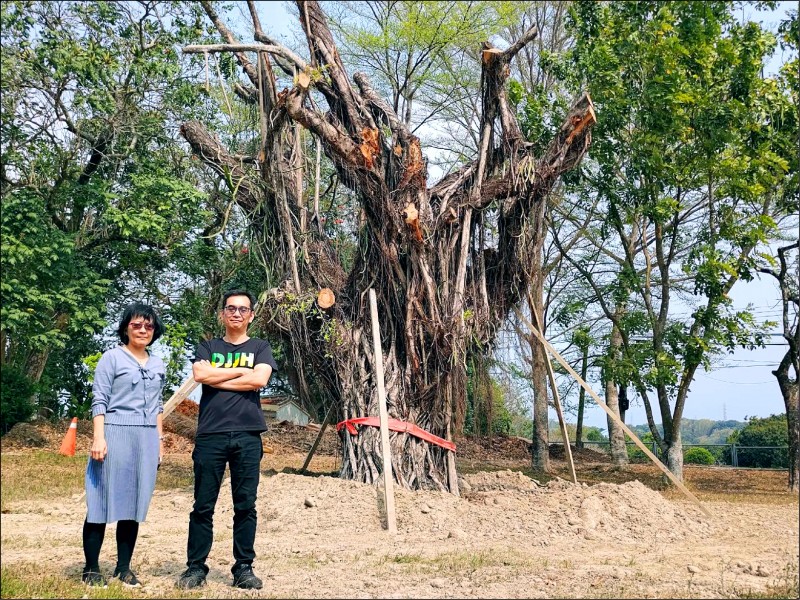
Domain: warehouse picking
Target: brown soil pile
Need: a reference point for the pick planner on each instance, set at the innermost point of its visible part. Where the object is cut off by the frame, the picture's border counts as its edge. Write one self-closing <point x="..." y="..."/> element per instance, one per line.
<point x="188" y="408"/>
<point x="578" y="454"/>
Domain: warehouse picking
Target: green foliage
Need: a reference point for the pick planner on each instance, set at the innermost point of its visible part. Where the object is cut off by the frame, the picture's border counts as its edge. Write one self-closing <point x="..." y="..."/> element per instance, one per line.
<point x="769" y="431"/>
<point x="692" y="170"/>
<point x="487" y="411"/>
<point x="97" y="211"/>
<point x="594" y="434"/>
<point x="698" y="431"/>
<point x="698" y="456"/>
<point x="15" y="398"/>
<point x="44" y="276"/>
<point x="635" y="454"/>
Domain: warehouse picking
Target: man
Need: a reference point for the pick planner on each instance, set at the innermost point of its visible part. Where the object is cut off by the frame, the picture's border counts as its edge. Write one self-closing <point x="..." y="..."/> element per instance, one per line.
<point x="232" y="370"/>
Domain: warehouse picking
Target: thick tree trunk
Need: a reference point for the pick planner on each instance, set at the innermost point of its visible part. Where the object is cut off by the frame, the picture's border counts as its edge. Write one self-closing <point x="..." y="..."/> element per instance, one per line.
<point x="539" y="372"/>
<point x="541" y="422"/>
<point x="675" y="455"/>
<point x="790" y="390"/>
<point x="616" y="436"/>
<point x="793" y="421"/>
<point x="581" y="399"/>
<point x="443" y="290"/>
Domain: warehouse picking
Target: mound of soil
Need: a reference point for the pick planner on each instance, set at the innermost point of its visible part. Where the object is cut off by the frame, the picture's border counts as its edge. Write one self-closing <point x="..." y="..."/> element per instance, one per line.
<point x="188" y="408"/>
<point x="25" y="435"/>
<point x="578" y="454"/>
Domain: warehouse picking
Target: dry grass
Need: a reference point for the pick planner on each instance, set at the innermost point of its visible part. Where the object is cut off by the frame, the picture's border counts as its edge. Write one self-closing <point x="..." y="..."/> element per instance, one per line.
<point x="29" y="580"/>
<point x="41" y="475"/>
<point x="44" y="475"/>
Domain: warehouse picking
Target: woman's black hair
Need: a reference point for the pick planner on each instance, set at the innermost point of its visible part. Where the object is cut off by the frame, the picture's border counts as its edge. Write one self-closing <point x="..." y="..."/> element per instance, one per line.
<point x="147" y="312"/>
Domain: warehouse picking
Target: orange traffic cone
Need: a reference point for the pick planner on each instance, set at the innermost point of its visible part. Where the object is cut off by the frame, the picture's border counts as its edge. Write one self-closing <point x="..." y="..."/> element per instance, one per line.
<point x="71" y="439"/>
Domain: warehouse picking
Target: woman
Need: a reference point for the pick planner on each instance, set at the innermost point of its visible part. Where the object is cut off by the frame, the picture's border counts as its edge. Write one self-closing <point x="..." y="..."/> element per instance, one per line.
<point x="127" y="448"/>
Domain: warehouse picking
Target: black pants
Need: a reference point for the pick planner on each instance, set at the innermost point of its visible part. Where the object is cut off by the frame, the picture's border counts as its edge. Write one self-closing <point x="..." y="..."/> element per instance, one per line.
<point x="242" y="451"/>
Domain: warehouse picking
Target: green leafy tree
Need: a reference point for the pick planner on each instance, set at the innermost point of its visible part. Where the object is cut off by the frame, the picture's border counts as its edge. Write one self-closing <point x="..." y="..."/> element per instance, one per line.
<point x="96" y="190"/>
<point x="769" y="431"/>
<point x="691" y="167"/>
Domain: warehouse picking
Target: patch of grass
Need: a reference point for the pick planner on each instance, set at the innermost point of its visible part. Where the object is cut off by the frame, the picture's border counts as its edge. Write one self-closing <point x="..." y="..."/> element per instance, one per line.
<point x="27" y="580"/>
<point x="403" y="559"/>
<point x="175" y="472"/>
<point x="40" y="475"/>
<point x="457" y="562"/>
<point x="44" y="475"/>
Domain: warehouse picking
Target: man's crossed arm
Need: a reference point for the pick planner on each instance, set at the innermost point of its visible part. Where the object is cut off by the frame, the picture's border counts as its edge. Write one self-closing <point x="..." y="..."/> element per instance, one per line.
<point x="236" y="379"/>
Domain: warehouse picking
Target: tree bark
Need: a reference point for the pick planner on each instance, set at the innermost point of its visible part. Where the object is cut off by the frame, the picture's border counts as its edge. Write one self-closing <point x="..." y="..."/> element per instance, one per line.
<point x="675" y="455"/>
<point x="541" y="422"/>
<point x="790" y="392"/>
<point x="581" y="400"/>
<point x="616" y="436"/>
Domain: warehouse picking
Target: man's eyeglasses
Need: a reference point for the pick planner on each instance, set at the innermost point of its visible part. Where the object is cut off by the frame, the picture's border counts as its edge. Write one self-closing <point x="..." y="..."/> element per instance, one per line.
<point x="140" y="324"/>
<point x="242" y="310"/>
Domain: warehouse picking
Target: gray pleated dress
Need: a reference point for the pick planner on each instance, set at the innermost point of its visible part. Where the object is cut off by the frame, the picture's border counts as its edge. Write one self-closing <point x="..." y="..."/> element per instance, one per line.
<point x="121" y="486"/>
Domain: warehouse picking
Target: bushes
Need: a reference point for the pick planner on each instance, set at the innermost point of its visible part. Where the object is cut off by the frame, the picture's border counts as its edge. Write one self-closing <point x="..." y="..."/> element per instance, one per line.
<point x="698" y="456"/>
<point x="770" y="431"/>
<point x="15" y="398"/>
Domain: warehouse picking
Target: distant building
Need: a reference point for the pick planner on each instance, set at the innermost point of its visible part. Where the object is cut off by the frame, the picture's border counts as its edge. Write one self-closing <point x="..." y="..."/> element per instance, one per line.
<point x="283" y="408"/>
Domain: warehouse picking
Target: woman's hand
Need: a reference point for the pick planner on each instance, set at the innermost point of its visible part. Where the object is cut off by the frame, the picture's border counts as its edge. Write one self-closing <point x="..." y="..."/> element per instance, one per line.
<point x="160" y="452"/>
<point x="99" y="448"/>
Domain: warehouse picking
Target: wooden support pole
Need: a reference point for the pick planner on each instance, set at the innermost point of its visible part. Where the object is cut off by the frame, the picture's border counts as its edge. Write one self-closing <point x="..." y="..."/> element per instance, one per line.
<point x="556" y="400"/>
<point x="180" y="394"/>
<point x="388" y="478"/>
<point x="319" y="438"/>
<point x="614" y="416"/>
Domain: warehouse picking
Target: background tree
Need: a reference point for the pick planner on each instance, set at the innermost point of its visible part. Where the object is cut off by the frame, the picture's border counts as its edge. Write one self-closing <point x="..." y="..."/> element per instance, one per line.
<point x="769" y="431"/>
<point x="444" y="285"/>
<point x="787" y="273"/>
<point x="691" y="165"/>
<point x="97" y="193"/>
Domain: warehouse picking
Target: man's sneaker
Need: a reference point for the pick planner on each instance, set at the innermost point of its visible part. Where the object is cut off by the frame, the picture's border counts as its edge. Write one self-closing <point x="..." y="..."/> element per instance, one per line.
<point x="128" y="578"/>
<point x="244" y="578"/>
<point x="94" y="579"/>
<point x="191" y="578"/>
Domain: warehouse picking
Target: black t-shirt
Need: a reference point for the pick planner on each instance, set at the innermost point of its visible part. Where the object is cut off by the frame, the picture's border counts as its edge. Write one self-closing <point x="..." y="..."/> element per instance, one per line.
<point x="222" y="411"/>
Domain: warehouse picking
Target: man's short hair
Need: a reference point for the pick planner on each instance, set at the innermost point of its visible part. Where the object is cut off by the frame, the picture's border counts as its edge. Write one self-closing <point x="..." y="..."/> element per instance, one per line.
<point x="230" y="293"/>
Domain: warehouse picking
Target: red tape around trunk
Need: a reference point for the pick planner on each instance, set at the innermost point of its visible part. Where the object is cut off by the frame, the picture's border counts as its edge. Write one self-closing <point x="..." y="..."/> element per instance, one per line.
<point x="396" y="425"/>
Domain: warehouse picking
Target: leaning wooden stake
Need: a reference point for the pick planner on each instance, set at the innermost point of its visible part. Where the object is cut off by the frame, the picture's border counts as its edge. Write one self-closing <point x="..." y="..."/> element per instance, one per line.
<point x="319" y="438"/>
<point x="556" y="400"/>
<point x="388" y="485"/>
<point x="614" y="416"/>
<point x="180" y="394"/>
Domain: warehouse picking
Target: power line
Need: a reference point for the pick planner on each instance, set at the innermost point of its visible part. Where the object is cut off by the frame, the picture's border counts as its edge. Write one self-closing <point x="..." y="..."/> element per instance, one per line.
<point x="738" y="382"/>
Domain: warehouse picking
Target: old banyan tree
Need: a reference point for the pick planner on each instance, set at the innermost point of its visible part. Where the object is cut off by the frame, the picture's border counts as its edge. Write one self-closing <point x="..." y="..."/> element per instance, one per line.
<point x="447" y="260"/>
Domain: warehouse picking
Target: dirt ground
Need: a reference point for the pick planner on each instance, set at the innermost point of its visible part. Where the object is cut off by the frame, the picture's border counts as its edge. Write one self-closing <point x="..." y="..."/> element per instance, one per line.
<point x="507" y="536"/>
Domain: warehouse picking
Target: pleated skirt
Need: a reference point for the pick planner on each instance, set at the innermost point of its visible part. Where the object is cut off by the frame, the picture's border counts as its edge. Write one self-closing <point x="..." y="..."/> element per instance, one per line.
<point x="121" y="486"/>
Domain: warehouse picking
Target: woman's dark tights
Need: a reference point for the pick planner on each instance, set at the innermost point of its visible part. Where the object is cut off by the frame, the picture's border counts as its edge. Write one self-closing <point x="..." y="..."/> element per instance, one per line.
<point x="93" y="535"/>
